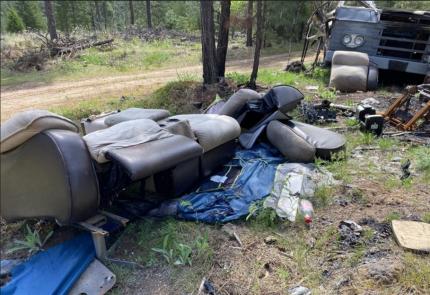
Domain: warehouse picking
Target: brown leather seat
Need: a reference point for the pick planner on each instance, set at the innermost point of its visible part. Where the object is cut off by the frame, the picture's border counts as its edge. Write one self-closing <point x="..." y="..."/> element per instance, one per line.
<point x="49" y="176"/>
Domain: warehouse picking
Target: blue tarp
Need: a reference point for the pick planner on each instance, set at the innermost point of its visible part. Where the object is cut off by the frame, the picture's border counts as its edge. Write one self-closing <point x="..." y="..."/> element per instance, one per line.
<point x="53" y="271"/>
<point x="255" y="182"/>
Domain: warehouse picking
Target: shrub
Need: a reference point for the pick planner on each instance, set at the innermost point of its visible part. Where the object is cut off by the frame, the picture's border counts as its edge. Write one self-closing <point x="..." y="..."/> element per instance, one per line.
<point x="14" y="22"/>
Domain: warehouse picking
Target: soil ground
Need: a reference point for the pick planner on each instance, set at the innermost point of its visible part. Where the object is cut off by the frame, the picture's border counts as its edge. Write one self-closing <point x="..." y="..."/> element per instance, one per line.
<point x="273" y="255"/>
<point x="33" y="95"/>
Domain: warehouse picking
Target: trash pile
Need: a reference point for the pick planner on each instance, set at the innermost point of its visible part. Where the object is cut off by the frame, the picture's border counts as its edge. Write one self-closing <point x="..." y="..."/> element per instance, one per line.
<point x="212" y="168"/>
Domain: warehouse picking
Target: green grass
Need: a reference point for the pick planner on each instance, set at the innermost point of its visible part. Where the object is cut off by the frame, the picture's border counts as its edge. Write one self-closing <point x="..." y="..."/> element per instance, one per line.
<point x="426" y="217"/>
<point x="189" y="242"/>
<point x="393" y="216"/>
<point x="277" y="77"/>
<point x="174" y="96"/>
<point x="417" y="273"/>
<point x="123" y="57"/>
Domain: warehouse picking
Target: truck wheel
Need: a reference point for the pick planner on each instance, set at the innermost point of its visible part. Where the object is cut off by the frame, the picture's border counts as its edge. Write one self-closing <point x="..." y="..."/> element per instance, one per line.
<point x="372" y="78"/>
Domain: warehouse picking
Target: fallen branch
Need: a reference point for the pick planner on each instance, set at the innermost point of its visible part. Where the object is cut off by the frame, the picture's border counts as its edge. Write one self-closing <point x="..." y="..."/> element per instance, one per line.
<point x="73" y="48"/>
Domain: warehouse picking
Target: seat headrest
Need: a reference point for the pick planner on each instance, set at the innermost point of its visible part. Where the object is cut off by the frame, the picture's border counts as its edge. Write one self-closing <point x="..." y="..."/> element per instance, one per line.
<point x="234" y="105"/>
<point x="25" y="125"/>
<point x="283" y="98"/>
<point x="136" y="114"/>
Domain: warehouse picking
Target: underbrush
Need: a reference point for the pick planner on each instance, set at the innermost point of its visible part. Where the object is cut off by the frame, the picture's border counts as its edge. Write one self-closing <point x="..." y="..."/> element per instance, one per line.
<point x="121" y="57"/>
<point x="184" y="248"/>
<point x="176" y="96"/>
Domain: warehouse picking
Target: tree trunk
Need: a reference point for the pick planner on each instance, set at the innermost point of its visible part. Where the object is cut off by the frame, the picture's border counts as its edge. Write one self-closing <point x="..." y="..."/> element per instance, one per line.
<point x="208" y="42"/>
<point x="130" y="5"/>
<point x="249" y="24"/>
<point x="105" y="20"/>
<point x="98" y="15"/>
<point x="52" y="28"/>
<point x="224" y="25"/>
<point x="258" y="41"/>
<point x="148" y="14"/>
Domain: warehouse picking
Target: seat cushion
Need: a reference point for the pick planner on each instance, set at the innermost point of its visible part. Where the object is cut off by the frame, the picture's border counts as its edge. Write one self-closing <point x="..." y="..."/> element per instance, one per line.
<point x="237" y="101"/>
<point x="211" y="130"/>
<point x="293" y="146"/>
<point x="123" y="135"/>
<point x="143" y="160"/>
<point x="25" y="125"/>
<point x="326" y="142"/>
<point x="135" y="114"/>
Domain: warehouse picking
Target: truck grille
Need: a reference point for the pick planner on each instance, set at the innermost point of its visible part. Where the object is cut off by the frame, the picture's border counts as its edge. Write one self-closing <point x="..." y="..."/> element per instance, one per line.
<point x="404" y="35"/>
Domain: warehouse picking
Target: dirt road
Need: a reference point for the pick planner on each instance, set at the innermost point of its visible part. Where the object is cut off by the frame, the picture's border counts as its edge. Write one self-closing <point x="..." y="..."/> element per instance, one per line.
<point x="23" y="97"/>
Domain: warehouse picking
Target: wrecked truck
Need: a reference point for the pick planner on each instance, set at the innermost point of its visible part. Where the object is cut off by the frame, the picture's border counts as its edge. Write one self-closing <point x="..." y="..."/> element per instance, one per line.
<point x="394" y="40"/>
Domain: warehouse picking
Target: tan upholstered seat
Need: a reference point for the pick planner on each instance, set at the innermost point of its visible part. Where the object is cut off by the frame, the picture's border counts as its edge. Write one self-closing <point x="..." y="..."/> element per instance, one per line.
<point x="135" y="114"/>
<point x="349" y="71"/>
<point x="25" y="125"/>
<point x="211" y="131"/>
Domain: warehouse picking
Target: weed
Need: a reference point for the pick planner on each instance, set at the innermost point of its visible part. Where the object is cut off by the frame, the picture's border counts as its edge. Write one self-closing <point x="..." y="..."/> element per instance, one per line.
<point x="393" y="216"/>
<point x="356" y="195"/>
<point x="426" y="217"/>
<point x="387" y="143"/>
<point x="283" y="273"/>
<point x="368" y="234"/>
<point x="351" y="122"/>
<point x="422" y="155"/>
<point x="367" y="138"/>
<point x="357" y="256"/>
<point x="166" y="252"/>
<point x="32" y="242"/>
<point x="321" y="74"/>
<point x="417" y="273"/>
<point x="392" y="183"/>
<point x="323" y="195"/>
<point x="327" y="94"/>
<point x="203" y="249"/>
<point x="330" y="235"/>
<point x="238" y="78"/>
<point x="184" y="254"/>
<point x="260" y="216"/>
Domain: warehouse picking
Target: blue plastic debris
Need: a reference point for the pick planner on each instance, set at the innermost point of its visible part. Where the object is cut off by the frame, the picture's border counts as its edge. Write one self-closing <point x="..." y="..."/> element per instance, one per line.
<point x="53" y="271"/>
<point x="224" y="204"/>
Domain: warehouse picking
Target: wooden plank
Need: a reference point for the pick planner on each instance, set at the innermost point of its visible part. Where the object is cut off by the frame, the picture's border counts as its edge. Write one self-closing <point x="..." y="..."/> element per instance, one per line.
<point x="412" y="235"/>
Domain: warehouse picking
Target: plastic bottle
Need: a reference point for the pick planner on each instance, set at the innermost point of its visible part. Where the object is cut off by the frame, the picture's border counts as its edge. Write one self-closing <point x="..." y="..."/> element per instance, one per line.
<point x="306" y="210"/>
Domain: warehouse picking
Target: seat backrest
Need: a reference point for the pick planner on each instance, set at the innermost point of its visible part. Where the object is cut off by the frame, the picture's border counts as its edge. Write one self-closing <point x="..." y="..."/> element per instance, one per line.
<point x="25" y="125"/>
<point x="350" y="58"/>
<point x="49" y="176"/>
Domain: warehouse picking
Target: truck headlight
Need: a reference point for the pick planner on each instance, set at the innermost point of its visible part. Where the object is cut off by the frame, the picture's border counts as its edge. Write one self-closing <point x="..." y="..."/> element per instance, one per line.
<point x="359" y="40"/>
<point x="346" y="40"/>
<point x="353" y="40"/>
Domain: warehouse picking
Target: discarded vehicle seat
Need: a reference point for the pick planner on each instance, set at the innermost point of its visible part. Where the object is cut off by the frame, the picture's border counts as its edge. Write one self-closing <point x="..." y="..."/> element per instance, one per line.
<point x="49" y="171"/>
<point x="134" y="150"/>
<point x="300" y="142"/>
<point x="94" y="123"/>
<point x="235" y="106"/>
<point x="258" y="113"/>
<point x="352" y="71"/>
<point x="215" y="133"/>
<point x="46" y="170"/>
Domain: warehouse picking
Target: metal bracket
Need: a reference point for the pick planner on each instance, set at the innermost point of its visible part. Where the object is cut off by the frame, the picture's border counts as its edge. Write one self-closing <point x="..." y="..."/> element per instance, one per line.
<point x="99" y="235"/>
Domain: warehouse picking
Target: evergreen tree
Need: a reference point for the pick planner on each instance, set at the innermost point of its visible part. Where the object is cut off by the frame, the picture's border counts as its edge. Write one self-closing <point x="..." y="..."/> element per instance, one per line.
<point x="31" y="14"/>
<point x="14" y="22"/>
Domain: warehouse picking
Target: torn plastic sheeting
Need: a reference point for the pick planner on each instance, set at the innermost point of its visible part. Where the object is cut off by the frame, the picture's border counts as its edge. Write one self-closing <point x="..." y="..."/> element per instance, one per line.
<point x="53" y="271"/>
<point x="224" y="204"/>
<point x="292" y="182"/>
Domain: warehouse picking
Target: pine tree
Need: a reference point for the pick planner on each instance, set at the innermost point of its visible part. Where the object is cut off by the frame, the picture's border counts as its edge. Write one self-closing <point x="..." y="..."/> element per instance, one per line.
<point x="208" y="42"/>
<point x="31" y="14"/>
<point x="14" y="22"/>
